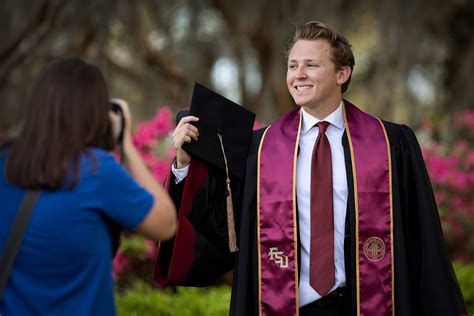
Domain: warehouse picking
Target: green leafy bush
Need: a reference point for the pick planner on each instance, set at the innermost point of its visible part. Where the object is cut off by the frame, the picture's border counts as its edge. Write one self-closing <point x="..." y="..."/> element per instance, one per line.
<point x="142" y="300"/>
<point x="465" y="275"/>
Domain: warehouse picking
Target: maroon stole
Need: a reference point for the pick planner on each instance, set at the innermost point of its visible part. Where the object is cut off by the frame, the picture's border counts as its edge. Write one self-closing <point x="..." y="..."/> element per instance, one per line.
<point x="277" y="219"/>
<point x="183" y="246"/>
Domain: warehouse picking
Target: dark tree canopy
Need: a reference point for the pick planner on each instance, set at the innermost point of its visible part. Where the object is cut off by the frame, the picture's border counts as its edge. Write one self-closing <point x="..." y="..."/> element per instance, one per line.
<point x="413" y="58"/>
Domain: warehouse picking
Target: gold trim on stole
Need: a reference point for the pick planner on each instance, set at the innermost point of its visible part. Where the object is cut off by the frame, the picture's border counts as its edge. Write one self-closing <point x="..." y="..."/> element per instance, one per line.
<point x="295" y="219"/>
<point x="354" y="177"/>
<point x="258" y="225"/>
<point x="392" y="246"/>
<point x="295" y="216"/>
<point x="356" y="204"/>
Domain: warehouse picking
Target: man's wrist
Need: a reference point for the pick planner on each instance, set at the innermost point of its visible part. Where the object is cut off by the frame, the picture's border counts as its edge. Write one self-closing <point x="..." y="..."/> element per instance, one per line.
<point x="180" y="165"/>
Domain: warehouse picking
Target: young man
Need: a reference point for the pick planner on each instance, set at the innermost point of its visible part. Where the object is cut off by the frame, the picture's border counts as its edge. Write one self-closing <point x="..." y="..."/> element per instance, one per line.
<point x="336" y="215"/>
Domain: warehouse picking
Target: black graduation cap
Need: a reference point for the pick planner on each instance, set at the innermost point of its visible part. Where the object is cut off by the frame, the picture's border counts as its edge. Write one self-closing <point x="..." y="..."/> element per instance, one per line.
<point x="220" y="116"/>
<point x="225" y="131"/>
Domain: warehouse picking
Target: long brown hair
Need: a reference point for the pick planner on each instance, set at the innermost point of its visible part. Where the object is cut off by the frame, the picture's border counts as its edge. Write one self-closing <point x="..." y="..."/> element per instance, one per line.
<point x="66" y="111"/>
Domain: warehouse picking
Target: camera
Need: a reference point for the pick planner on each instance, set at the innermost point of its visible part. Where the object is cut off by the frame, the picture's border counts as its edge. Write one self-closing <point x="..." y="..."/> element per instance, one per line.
<point x="110" y="142"/>
<point x="114" y="107"/>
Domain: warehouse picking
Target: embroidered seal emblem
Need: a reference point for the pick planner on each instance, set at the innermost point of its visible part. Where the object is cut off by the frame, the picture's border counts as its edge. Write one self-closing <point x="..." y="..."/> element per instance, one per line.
<point x="374" y="249"/>
<point x="278" y="257"/>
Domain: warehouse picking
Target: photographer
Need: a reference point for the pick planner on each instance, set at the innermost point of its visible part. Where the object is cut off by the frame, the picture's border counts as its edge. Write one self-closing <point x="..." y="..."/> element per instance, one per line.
<point x="64" y="263"/>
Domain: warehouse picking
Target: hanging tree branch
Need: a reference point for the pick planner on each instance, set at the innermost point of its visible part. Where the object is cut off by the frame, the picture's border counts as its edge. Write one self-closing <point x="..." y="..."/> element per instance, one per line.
<point x="32" y="36"/>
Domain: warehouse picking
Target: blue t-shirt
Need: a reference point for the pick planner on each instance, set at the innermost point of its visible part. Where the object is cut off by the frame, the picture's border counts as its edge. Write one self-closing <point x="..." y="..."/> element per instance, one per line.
<point x="64" y="263"/>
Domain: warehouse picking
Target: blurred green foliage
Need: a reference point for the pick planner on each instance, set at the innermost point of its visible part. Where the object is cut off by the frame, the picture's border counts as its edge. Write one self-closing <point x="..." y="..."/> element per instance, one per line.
<point x="134" y="246"/>
<point x="142" y="300"/>
<point x="465" y="275"/>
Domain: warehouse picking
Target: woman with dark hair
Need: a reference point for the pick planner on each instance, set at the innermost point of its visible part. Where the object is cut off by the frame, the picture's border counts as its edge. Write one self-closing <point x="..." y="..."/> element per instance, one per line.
<point x="63" y="266"/>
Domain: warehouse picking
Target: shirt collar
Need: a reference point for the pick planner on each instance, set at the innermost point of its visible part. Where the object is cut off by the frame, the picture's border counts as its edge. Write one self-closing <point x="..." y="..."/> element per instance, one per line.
<point x="336" y="119"/>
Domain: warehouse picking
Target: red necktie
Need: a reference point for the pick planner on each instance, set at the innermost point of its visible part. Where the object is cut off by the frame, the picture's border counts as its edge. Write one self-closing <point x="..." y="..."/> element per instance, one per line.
<point x="321" y="265"/>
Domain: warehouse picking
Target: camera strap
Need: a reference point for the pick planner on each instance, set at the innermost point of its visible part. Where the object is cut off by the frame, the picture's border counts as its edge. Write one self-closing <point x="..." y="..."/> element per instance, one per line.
<point x="15" y="238"/>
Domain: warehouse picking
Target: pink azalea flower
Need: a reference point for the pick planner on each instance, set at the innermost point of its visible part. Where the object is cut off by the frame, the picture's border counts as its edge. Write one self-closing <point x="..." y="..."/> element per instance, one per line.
<point x="148" y="157"/>
<point x="470" y="176"/>
<point x="162" y="122"/>
<point x="160" y="169"/>
<point x="120" y="264"/>
<point x="438" y="169"/>
<point x="150" y="252"/>
<point x="144" y="136"/>
<point x="452" y="162"/>
<point x="470" y="159"/>
<point x="257" y="125"/>
<point x="460" y="148"/>
<point x="469" y="118"/>
<point x="458" y="181"/>
<point x="458" y="203"/>
<point x="452" y="176"/>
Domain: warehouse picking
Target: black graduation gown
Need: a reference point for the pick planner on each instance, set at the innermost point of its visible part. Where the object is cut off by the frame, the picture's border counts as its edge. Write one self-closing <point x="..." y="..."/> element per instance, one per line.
<point x="425" y="283"/>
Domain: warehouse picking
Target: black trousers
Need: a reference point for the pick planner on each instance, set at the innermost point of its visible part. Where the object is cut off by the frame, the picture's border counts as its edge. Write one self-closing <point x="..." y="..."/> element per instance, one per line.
<point x="333" y="304"/>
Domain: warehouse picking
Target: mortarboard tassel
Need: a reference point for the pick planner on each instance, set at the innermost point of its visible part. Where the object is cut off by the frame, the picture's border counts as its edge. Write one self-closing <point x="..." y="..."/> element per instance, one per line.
<point x="230" y="206"/>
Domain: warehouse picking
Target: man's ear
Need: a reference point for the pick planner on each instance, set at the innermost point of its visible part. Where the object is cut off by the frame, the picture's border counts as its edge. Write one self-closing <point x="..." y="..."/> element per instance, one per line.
<point x="343" y="75"/>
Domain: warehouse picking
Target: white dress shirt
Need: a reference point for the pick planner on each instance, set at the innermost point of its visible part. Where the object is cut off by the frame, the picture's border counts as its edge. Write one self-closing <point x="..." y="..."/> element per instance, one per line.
<point x="308" y="136"/>
<point x="179" y="174"/>
<point x="309" y="133"/>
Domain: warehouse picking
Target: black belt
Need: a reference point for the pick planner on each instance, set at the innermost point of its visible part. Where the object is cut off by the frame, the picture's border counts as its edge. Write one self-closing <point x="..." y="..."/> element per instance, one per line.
<point x="333" y="300"/>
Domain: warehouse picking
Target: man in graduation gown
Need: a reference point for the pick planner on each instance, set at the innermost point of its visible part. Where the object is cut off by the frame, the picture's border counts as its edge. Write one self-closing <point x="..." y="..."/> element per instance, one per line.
<point x="378" y="249"/>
